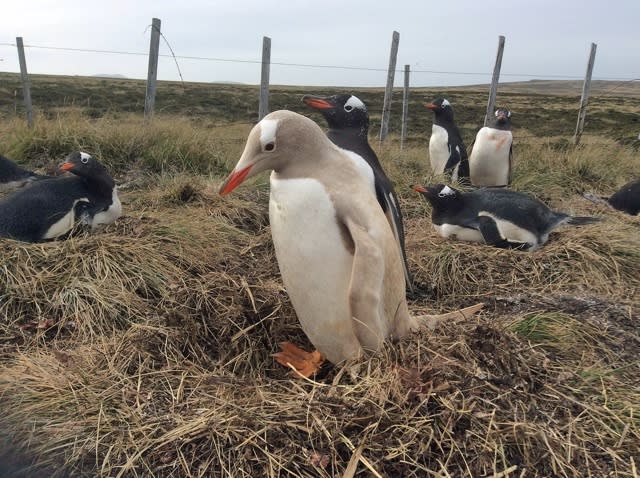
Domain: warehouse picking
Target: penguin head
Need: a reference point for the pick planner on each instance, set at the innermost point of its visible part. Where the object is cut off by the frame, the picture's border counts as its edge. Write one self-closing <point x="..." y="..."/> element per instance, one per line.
<point x="340" y="111"/>
<point x="281" y="140"/>
<point x="441" y="196"/>
<point x="441" y="108"/>
<point x="83" y="164"/>
<point x="502" y="119"/>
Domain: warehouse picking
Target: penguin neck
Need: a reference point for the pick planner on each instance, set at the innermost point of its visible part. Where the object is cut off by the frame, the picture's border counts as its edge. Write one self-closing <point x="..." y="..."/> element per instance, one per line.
<point x="102" y="184"/>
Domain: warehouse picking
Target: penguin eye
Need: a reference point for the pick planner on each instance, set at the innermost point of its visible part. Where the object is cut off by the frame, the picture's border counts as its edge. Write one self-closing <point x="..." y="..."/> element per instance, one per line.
<point x="441" y="195"/>
<point x="270" y="146"/>
<point x="348" y="108"/>
<point x="84" y="159"/>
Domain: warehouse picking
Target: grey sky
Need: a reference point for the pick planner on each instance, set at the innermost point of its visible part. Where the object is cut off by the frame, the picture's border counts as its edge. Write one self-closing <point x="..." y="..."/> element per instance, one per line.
<point x="544" y="39"/>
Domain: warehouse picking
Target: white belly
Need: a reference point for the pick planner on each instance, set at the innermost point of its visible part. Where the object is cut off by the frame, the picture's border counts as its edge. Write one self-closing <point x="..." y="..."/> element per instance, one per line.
<point x="65" y="223"/>
<point x="458" y="232"/>
<point x="438" y="149"/>
<point x="314" y="263"/>
<point x="489" y="160"/>
<point x="111" y="214"/>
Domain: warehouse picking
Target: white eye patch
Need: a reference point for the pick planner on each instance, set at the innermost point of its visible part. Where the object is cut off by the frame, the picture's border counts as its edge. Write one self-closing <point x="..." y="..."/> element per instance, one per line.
<point x="268" y="130"/>
<point x="355" y="102"/>
<point x="445" y="103"/>
<point x="84" y="157"/>
<point x="446" y="191"/>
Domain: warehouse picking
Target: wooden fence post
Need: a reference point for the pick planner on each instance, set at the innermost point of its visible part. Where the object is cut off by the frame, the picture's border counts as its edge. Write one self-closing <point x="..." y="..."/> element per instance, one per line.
<point x="152" y="75"/>
<point x="263" y="105"/>
<point x="26" y="86"/>
<point x="584" y="100"/>
<point x="405" y="107"/>
<point x="386" y="108"/>
<point x="491" y="104"/>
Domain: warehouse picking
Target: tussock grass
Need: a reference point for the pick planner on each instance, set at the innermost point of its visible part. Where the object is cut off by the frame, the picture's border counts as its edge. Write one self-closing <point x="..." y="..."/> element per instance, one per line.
<point x="145" y="350"/>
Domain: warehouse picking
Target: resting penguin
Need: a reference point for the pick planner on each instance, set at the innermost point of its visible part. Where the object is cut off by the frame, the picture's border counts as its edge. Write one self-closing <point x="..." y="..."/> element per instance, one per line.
<point x="447" y="153"/>
<point x="349" y="128"/>
<point x="626" y="199"/>
<point x="337" y="255"/>
<point x="50" y="208"/>
<point x="13" y="176"/>
<point x="490" y="161"/>
<point x="499" y="217"/>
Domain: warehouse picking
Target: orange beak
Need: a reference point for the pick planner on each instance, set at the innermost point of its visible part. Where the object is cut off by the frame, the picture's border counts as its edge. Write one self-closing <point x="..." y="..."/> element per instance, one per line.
<point x="317" y="103"/>
<point x="420" y="189"/>
<point x="234" y="180"/>
<point x="431" y="106"/>
<point x="66" y="166"/>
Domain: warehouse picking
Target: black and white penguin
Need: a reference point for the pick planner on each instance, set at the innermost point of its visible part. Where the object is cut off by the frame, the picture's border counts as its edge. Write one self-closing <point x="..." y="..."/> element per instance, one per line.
<point x="337" y="255"/>
<point x="496" y="216"/>
<point x="490" y="160"/>
<point x="625" y="199"/>
<point x="447" y="153"/>
<point x="13" y="176"/>
<point x="348" y="122"/>
<point x="51" y="207"/>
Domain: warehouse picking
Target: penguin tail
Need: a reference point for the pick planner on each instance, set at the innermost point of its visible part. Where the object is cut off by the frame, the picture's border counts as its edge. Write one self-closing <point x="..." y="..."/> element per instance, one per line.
<point x="593" y="198"/>
<point x="582" y="220"/>
<point x="431" y="321"/>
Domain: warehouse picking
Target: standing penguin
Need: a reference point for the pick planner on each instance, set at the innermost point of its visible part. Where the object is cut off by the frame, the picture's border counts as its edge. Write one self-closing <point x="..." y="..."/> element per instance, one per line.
<point x="13" y="176"/>
<point x="625" y="199"/>
<point x="348" y="122"/>
<point x="337" y="255"/>
<point x="51" y="207"/>
<point x="490" y="161"/>
<point x="499" y="217"/>
<point x="447" y="153"/>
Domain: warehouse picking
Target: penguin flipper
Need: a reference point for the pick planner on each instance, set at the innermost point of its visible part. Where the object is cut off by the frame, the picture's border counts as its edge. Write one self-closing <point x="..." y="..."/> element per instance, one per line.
<point x="365" y="287"/>
<point x="394" y="217"/>
<point x="492" y="236"/>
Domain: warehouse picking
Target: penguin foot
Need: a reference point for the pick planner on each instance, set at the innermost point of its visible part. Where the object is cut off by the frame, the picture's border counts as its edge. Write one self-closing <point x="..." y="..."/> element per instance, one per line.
<point x="304" y="363"/>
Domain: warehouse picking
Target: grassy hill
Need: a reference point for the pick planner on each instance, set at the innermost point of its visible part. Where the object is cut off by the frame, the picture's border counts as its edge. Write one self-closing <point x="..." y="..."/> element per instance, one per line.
<point x="146" y="349"/>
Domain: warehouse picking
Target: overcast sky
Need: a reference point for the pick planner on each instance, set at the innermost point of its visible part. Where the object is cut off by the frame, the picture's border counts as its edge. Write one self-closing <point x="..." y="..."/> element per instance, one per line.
<point x="438" y="39"/>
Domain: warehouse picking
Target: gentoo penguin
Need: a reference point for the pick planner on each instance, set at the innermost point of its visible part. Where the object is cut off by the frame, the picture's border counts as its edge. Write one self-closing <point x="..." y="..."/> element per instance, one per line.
<point x="51" y="207"/>
<point x="626" y="199"/>
<point x="337" y="255"/>
<point x="490" y="161"/>
<point x="13" y="176"/>
<point x="348" y="122"/>
<point x="447" y="153"/>
<point x="499" y="217"/>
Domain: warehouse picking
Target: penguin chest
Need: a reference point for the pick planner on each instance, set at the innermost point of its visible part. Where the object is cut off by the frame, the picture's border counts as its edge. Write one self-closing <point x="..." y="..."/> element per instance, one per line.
<point x="108" y="216"/>
<point x="439" y="149"/>
<point x="489" y="160"/>
<point x="453" y="231"/>
<point x="314" y="258"/>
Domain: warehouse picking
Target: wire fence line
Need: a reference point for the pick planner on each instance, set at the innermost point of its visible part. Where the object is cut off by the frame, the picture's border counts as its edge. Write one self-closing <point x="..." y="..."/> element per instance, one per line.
<point x="320" y="66"/>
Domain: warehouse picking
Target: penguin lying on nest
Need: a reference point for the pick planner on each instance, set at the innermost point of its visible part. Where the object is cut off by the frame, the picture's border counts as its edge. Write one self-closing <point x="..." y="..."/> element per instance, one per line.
<point x="498" y="217"/>
<point x="13" y="176"/>
<point x="625" y="199"/>
<point x="51" y="207"/>
<point x="339" y="260"/>
<point x="348" y="121"/>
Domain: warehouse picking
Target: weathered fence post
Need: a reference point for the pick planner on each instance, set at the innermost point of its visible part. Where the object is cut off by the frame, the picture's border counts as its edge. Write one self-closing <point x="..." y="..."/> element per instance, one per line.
<point x="263" y="106"/>
<point x="405" y="107"/>
<point x="152" y="76"/>
<point x="491" y="104"/>
<point x="584" y="100"/>
<point x="26" y="86"/>
<point x="386" y="108"/>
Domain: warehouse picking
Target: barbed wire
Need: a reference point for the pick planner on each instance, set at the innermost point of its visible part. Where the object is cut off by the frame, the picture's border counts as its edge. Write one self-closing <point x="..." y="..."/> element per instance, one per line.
<point x="308" y="65"/>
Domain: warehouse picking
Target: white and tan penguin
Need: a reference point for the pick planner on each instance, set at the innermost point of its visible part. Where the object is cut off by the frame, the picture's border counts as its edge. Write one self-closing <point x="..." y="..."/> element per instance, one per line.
<point x="491" y="158"/>
<point x="337" y="255"/>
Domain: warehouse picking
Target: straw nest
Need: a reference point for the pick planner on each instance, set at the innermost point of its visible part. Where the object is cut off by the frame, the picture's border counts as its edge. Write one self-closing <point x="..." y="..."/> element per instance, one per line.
<point x="146" y="351"/>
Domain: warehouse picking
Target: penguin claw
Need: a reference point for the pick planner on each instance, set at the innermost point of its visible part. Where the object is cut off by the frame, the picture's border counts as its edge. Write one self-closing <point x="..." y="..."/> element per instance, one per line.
<point x="304" y="363"/>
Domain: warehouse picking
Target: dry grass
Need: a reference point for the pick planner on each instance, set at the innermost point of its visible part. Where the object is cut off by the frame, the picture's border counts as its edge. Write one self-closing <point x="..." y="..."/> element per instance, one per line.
<point x="146" y="350"/>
